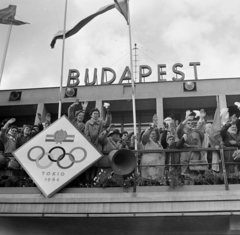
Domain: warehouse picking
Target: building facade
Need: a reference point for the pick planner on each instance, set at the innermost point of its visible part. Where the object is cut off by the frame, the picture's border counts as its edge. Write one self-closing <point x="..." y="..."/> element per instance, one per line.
<point x="203" y="209"/>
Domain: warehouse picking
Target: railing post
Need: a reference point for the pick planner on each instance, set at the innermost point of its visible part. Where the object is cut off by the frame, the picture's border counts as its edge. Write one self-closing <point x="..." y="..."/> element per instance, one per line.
<point x="224" y="169"/>
<point x="135" y="172"/>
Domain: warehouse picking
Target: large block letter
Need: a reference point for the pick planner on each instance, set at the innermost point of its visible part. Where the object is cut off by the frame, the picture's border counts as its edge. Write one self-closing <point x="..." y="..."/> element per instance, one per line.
<point x="195" y="64"/>
<point x="144" y="75"/>
<point x="86" y="80"/>
<point x="126" y="75"/>
<point x="161" y="73"/>
<point x="103" y="73"/>
<point x="175" y="70"/>
<point x="73" y="78"/>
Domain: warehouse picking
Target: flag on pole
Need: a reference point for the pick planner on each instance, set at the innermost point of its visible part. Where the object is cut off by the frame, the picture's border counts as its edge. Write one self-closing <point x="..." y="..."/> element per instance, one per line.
<point x="215" y="137"/>
<point x="7" y="16"/>
<point x="122" y="7"/>
<point x="81" y="24"/>
<point x="214" y="134"/>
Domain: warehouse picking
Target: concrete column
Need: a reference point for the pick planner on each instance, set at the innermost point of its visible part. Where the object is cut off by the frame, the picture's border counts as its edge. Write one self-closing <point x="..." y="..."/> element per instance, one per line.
<point x="222" y="101"/>
<point x="43" y="111"/>
<point x="159" y="110"/>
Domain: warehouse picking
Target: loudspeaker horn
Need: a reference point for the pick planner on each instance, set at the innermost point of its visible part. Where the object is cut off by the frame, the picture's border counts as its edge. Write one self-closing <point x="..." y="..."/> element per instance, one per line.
<point x="15" y="95"/>
<point x="123" y="161"/>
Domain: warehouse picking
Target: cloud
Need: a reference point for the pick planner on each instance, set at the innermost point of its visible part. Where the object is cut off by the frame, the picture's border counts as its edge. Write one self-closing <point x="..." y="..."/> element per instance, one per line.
<point x="166" y="32"/>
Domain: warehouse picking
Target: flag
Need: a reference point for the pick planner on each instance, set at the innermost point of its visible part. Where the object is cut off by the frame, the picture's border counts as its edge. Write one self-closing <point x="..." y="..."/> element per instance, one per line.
<point x="122" y="7"/>
<point x="7" y="16"/>
<point x="81" y="24"/>
<point x="215" y="137"/>
<point x="214" y="134"/>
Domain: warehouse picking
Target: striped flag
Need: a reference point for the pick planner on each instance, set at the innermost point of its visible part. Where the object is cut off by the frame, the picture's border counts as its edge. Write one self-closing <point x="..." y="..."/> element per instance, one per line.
<point x="51" y="138"/>
<point x="122" y="7"/>
<point x="81" y="24"/>
<point x="7" y="16"/>
<point x="214" y="135"/>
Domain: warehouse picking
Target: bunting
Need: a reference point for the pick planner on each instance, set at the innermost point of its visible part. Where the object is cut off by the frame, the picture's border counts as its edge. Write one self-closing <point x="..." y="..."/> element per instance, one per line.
<point x="214" y="135"/>
<point x="80" y="25"/>
<point x="7" y="16"/>
<point x="122" y="7"/>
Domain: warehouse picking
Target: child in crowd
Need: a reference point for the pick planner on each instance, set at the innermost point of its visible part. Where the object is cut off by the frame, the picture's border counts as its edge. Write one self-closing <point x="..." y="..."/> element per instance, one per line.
<point x="168" y="141"/>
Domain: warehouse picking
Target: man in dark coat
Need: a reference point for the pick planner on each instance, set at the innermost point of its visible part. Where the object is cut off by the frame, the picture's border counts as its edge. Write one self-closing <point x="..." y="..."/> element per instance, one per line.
<point x="230" y="139"/>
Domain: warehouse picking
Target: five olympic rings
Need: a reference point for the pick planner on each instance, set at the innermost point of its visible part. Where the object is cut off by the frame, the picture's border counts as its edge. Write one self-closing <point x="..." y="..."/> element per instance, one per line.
<point x="59" y="158"/>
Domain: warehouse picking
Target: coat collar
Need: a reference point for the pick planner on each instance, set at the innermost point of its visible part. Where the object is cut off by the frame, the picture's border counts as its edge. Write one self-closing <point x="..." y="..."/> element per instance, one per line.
<point x="92" y="122"/>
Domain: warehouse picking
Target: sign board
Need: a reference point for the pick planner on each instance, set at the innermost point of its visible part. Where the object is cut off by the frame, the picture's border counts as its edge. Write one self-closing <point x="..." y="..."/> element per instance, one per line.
<point x="56" y="156"/>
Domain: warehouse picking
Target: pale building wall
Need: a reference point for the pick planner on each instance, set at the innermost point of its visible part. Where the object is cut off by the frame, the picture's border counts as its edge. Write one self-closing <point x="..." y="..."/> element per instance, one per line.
<point x="153" y="90"/>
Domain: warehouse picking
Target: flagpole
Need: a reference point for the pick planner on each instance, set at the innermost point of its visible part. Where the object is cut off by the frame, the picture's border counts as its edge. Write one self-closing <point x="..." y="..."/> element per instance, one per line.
<point x="133" y="85"/>
<point x="63" y="48"/>
<point x="5" y="51"/>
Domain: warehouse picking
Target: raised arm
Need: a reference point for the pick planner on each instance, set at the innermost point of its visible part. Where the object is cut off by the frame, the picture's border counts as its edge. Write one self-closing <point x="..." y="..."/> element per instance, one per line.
<point x="224" y="129"/>
<point x="102" y="138"/>
<point x="164" y="139"/>
<point x="180" y="143"/>
<point x="146" y="134"/>
<point x="3" y="136"/>
<point x="180" y="128"/>
<point x="107" y="121"/>
<point x="84" y="108"/>
<point x="201" y="122"/>
<point x="71" y="111"/>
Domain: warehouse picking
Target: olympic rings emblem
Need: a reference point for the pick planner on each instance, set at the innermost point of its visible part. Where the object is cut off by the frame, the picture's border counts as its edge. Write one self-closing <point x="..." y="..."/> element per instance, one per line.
<point x="58" y="159"/>
<point x="84" y="151"/>
<point x="66" y="167"/>
<point x="61" y="156"/>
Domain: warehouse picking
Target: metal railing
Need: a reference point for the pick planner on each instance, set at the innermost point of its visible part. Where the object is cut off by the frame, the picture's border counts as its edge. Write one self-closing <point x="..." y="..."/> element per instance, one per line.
<point x="220" y="151"/>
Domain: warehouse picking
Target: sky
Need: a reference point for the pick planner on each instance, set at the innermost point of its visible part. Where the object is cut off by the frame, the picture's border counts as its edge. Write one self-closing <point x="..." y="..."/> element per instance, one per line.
<point x="165" y="31"/>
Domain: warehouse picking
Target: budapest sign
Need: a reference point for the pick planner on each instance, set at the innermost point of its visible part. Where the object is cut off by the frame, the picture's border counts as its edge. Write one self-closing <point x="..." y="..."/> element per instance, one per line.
<point x="144" y="71"/>
<point x="56" y="156"/>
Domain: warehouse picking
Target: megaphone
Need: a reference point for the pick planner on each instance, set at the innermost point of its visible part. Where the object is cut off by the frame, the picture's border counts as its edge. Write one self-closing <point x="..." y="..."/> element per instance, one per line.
<point x="122" y="161"/>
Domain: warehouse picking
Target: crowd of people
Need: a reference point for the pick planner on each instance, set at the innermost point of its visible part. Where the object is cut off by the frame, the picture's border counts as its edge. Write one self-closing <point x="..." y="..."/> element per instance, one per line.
<point x="187" y="135"/>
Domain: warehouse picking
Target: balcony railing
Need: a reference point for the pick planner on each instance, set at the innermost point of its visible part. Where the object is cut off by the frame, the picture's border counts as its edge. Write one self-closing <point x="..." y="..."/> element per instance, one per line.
<point x="19" y="178"/>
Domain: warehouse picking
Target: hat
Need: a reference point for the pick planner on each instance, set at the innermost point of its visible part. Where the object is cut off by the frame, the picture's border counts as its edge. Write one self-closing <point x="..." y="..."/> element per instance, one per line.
<point x="124" y="132"/>
<point x="79" y="111"/>
<point x="192" y="114"/>
<point x="94" y="110"/>
<point x="116" y="131"/>
<point x="12" y="127"/>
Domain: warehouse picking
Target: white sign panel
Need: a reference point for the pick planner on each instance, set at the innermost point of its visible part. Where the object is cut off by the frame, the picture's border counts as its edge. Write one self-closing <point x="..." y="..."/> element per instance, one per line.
<point x="56" y="156"/>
